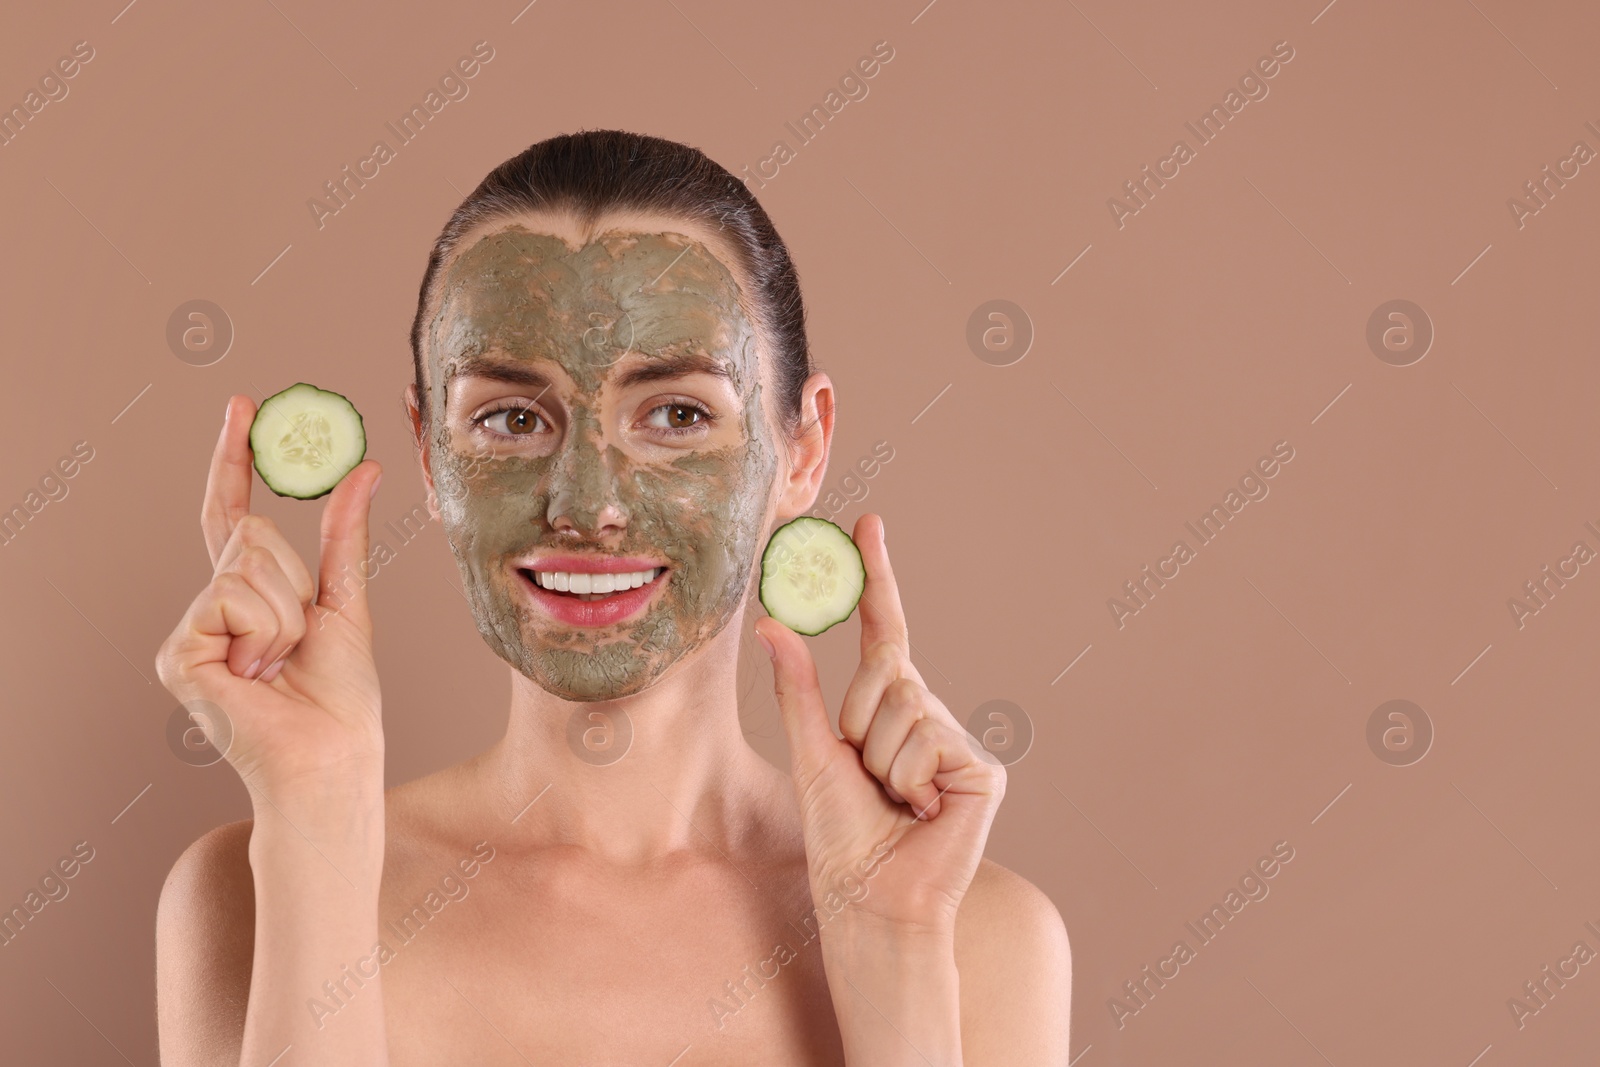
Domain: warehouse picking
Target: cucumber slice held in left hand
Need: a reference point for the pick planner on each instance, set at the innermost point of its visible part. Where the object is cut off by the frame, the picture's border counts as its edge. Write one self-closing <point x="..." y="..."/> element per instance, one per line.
<point x="305" y="439"/>
<point x="811" y="575"/>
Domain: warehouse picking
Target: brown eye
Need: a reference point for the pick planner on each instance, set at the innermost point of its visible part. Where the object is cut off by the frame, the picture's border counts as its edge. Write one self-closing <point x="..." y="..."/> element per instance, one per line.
<point x="523" y="421"/>
<point x="519" y="421"/>
<point x="678" y="417"/>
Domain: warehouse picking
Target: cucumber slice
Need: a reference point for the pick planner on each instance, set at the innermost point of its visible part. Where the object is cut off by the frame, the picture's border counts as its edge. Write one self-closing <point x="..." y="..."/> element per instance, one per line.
<point x="811" y="575"/>
<point x="305" y="439"/>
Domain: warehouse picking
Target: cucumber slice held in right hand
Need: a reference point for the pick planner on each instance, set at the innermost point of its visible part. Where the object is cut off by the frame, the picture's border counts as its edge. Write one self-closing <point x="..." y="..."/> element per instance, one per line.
<point x="305" y="440"/>
<point x="811" y="575"/>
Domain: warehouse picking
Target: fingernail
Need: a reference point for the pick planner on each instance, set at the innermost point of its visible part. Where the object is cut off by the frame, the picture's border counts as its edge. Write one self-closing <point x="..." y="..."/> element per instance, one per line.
<point x="883" y="533"/>
<point x="772" y="653"/>
<point x="374" y="490"/>
<point x="250" y="671"/>
<point x="272" y="671"/>
<point x="227" y="412"/>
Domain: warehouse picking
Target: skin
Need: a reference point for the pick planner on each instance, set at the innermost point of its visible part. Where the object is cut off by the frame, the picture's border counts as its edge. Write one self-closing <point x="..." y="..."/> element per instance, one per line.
<point x="621" y="898"/>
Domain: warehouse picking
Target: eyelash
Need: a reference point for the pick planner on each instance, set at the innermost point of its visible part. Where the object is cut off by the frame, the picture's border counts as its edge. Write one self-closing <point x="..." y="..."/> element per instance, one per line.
<point x="707" y="419"/>
<point x="513" y="406"/>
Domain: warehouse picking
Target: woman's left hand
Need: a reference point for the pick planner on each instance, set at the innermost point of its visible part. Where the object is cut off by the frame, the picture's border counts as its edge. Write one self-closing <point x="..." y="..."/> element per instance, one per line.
<point x="905" y="775"/>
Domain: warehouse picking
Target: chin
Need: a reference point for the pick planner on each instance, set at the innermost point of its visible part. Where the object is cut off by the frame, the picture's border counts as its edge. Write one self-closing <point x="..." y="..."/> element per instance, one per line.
<point x="609" y="672"/>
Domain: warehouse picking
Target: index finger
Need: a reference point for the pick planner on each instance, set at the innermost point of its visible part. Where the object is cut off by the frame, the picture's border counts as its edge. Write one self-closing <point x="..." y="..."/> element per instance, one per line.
<point x="228" y="485"/>
<point x="882" y="617"/>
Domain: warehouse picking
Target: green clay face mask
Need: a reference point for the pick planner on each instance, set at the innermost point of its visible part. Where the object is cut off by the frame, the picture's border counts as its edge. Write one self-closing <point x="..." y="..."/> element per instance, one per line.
<point x="592" y="484"/>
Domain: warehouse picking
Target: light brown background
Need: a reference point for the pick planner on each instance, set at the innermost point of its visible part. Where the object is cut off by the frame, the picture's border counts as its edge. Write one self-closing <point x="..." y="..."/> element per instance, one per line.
<point x="1223" y="318"/>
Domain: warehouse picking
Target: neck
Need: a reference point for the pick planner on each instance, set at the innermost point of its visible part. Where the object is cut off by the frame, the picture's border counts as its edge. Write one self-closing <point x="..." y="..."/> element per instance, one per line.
<point x="640" y="777"/>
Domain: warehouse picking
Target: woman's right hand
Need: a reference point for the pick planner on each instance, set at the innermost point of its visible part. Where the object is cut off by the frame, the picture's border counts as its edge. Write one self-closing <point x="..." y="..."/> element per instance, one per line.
<point x="288" y="661"/>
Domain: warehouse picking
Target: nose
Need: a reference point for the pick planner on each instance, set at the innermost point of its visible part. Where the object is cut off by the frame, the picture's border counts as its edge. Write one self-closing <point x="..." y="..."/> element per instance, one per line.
<point x="585" y="484"/>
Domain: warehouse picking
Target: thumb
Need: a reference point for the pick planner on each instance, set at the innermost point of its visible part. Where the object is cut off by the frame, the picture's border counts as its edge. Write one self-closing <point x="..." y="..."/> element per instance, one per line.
<point x="343" y="577"/>
<point x="805" y="716"/>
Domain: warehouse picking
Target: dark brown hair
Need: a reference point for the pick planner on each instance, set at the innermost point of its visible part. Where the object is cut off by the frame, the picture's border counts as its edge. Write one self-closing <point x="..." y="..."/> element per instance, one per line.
<point x="592" y="172"/>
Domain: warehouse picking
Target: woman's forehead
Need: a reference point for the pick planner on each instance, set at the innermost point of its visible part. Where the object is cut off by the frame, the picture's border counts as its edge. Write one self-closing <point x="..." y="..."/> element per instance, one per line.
<point x="513" y="265"/>
<point x="544" y="283"/>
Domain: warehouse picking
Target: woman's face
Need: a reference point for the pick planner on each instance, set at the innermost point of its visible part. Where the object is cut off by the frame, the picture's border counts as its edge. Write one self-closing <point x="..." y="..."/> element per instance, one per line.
<point x="597" y="410"/>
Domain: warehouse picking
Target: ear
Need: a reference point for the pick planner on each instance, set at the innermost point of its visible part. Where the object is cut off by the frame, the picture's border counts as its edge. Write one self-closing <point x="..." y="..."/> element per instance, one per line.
<point x="420" y="447"/>
<point x="808" y="450"/>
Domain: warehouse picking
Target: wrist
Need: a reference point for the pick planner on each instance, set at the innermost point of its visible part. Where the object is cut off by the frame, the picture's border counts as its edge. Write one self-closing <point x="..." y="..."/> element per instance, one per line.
<point x="875" y="936"/>
<point x="895" y="991"/>
<point x="342" y="814"/>
<point x="335" y="783"/>
<point x="858" y="925"/>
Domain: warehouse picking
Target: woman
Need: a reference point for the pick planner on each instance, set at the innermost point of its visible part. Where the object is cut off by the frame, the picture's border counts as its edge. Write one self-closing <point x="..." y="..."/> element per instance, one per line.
<point x="612" y="378"/>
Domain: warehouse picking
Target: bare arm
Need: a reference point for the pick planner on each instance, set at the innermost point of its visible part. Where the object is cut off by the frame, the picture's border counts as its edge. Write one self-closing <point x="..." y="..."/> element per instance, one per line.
<point x="253" y="922"/>
<point x="946" y="960"/>
<point x="205" y="936"/>
<point x="1016" y="973"/>
<point x="255" y="918"/>
<point x="317" y="868"/>
<point x="999" y="990"/>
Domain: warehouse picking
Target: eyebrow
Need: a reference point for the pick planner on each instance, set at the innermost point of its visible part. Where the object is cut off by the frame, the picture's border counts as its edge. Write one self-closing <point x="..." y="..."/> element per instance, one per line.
<point x="674" y="365"/>
<point x="498" y="370"/>
<point x="661" y="368"/>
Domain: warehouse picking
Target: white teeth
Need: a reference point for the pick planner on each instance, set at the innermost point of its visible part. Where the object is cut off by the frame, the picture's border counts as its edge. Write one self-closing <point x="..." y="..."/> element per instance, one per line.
<point x="587" y="584"/>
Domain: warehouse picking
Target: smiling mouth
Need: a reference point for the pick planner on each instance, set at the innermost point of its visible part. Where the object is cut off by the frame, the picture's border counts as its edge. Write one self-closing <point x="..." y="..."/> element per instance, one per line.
<point x="579" y="585"/>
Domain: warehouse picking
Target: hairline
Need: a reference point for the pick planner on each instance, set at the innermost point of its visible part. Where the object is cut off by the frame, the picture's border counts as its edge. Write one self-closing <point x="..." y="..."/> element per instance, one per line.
<point x="722" y="249"/>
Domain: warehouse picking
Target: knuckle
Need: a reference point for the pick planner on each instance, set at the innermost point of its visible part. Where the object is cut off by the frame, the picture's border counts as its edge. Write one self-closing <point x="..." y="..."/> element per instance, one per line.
<point x="927" y="735"/>
<point x="164" y="668"/>
<point x="228" y="585"/>
<point x="253" y="529"/>
<point x="304" y="588"/>
<point x="171" y="680"/>
<point x="997" y="783"/>
<point x="904" y="693"/>
<point x="256" y="561"/>
<point x="244" y="608"/>
<point x="170" y="661"/>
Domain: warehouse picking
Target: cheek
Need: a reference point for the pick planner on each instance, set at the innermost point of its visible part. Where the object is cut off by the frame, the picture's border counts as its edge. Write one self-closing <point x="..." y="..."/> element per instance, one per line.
<point x="736" y="522"/>
<point x="705" y="524"/>
<point x="488" y="503"/>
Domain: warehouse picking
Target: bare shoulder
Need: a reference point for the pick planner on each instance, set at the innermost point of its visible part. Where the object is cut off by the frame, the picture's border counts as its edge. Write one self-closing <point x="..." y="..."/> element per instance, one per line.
<point x="1015" y="965"/>
<point x="205" y="941"/>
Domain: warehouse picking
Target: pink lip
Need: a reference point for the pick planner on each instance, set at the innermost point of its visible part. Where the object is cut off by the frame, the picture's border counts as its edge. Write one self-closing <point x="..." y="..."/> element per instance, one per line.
<point x="606" y="611"/>
<point x="590" y="564"/>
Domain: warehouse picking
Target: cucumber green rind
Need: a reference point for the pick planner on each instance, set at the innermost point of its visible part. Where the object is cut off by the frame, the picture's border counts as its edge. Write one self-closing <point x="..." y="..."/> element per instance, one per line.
<point x="336" y="454"/>
<point x="778" y="595"/>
